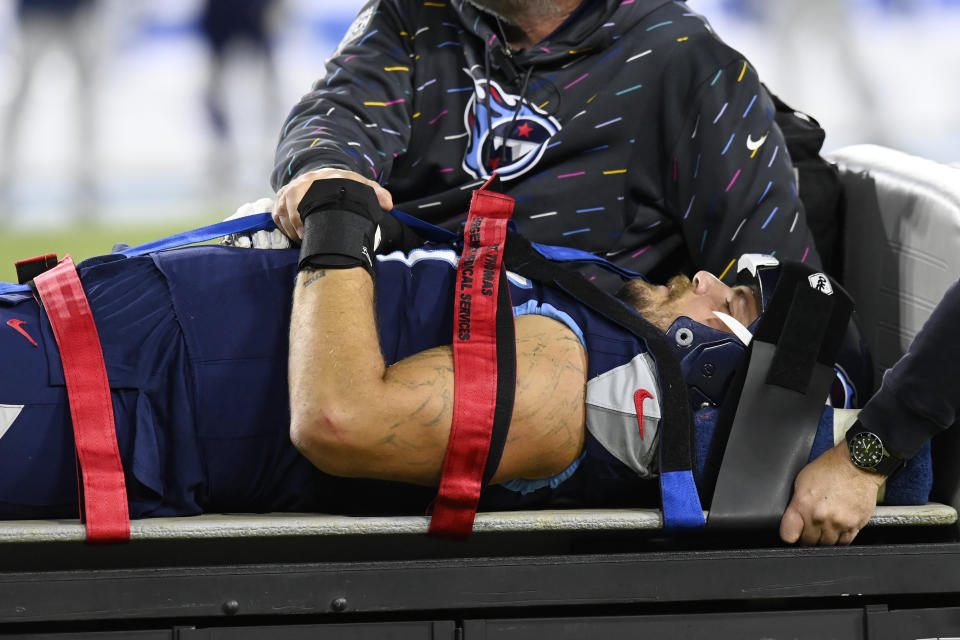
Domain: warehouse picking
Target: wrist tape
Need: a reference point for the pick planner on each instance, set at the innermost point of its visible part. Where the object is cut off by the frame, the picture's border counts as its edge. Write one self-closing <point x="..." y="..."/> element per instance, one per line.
<point x="340" y="227"/>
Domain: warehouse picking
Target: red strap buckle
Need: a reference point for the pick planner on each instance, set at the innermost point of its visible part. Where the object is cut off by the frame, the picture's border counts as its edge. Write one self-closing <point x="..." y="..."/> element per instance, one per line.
<point x="30" y="268"/>
<point x="104" y="489"/>
<point x="474" y="363"/>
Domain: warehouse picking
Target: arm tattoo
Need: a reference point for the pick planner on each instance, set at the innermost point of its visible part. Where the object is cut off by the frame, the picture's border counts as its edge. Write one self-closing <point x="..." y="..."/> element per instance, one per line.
<point x="315" y="274"/>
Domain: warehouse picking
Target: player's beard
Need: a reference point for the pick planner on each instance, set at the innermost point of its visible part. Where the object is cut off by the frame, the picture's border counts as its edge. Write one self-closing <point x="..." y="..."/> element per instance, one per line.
<point x="509" y="10"/>
<point x="652" y="303"/>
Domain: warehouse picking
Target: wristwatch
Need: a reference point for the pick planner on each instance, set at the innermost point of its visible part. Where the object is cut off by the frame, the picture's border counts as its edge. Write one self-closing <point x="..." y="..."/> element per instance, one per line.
<point x="868" y="453"/>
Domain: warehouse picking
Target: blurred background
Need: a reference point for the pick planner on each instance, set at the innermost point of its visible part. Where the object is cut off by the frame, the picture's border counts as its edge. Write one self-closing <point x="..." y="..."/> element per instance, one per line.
<point x="124" y="119"/>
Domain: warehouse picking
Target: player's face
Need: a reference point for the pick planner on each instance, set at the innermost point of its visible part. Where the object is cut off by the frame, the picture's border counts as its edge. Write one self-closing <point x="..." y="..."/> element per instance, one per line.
<point x="696" y="299"/>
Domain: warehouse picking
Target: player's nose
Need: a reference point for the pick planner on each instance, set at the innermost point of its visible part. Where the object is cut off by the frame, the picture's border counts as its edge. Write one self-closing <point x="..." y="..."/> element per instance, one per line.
<point x="707" y="284"/>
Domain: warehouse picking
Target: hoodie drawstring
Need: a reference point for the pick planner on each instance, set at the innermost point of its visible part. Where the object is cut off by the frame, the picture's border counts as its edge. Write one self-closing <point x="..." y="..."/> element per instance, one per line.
<point x="516" y="111"/>
<point x="512" y="70"/>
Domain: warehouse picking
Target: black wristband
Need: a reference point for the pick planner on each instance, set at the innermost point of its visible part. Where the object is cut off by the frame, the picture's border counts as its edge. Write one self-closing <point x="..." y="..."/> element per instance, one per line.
<point x="340" y="229"/>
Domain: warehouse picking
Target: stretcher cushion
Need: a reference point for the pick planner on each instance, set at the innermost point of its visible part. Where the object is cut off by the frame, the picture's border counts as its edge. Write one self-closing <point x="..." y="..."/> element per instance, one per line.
<point x="902" y="242"/>
<point x="901" y="253"/>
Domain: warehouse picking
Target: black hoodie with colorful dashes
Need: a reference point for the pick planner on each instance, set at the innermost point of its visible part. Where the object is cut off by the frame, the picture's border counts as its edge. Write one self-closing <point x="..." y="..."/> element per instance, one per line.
<point x="632" y="131"/>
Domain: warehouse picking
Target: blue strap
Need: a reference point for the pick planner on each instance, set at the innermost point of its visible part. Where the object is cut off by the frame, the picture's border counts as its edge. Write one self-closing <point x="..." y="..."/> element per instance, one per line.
<point x="263" y="221"/>
<point x="11" y="287"/>
<point x="424" y="228"/>
<point x="681" y="502"/>
<point x="246" y="224"/>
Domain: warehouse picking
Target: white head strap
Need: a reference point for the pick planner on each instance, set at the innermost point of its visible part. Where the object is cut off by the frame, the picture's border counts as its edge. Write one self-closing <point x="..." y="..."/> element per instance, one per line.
<point x="742" y="333"/>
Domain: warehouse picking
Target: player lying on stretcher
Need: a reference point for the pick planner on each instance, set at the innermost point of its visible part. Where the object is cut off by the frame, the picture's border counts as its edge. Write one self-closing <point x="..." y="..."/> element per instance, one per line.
<point x="212" y="416"/>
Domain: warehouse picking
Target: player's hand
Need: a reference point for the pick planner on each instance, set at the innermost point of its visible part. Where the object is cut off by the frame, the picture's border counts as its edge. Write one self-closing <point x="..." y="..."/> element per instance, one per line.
<point x="285" y="212"/>
<point x="273" y="239"/>
<point x="832" y="500"/>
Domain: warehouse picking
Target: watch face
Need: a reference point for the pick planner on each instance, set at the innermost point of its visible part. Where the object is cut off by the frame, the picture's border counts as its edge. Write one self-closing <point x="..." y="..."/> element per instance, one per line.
<point x="866" y="450"/>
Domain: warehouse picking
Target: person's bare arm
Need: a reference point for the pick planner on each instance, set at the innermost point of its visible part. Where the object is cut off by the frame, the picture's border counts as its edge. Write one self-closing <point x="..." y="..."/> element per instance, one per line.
<point x="353" y="416"/>
<point x="832" y="500"/>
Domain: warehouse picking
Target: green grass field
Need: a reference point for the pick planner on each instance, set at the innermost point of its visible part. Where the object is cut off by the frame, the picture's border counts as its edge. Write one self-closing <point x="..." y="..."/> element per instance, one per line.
<point x="81" y="242"/>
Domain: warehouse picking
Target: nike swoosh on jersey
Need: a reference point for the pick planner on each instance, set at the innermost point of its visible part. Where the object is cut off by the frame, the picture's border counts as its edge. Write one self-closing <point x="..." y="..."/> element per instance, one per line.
<point x="17" y="325"/>
<point x="753" y="145"/>
<point x="8" y="414"/>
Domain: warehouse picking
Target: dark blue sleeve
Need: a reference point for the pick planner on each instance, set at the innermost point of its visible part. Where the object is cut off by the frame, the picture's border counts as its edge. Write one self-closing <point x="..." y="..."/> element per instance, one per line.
<point x="358" y="115"/>
<point x="734" y="187"/>
<point x="920" y="394"/>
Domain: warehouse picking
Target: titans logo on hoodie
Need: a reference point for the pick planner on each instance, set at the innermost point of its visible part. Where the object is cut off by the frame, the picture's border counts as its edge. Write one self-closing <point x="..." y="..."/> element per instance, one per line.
<point x="506" y="134"/>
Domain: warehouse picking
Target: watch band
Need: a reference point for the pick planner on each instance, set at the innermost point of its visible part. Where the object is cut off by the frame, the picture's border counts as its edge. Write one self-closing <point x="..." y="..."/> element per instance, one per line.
<point x="889" y="465"/>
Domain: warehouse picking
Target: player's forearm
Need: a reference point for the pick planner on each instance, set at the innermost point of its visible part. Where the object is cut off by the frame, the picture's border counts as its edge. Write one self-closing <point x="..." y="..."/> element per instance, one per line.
<point x="351" y="416"/>
<point x="342" y="404"/>
<point x="335" y="367"/>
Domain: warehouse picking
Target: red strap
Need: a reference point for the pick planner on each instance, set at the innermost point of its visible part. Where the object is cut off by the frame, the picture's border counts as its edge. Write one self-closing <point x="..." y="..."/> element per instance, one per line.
<point x="104" y="490"/>
<point x="474" y="363"/>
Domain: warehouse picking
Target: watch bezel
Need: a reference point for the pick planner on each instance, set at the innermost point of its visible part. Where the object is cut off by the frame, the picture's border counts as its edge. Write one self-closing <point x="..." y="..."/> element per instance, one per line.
<point x="859" y="457"/>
